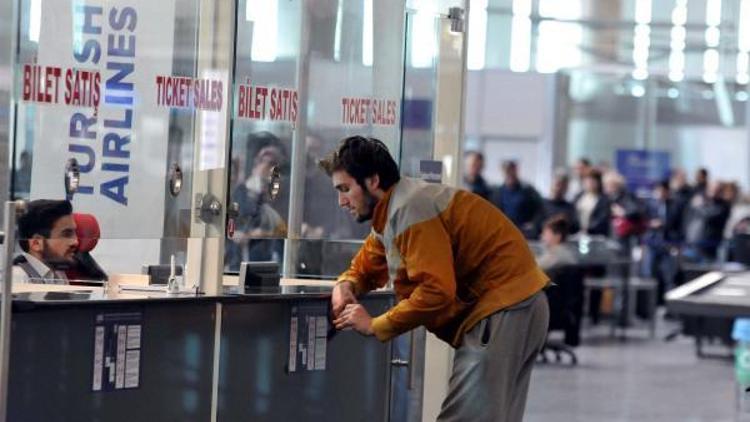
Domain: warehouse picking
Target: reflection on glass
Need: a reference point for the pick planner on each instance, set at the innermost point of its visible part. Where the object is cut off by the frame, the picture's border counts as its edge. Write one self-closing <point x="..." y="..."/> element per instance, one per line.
<point x="22" y="181"/>
<point x="257" y="219"/>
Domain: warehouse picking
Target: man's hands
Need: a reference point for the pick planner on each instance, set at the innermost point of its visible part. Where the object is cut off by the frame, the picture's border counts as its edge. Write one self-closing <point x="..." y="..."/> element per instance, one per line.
<point x="354" y="316"/>
<point x="343" y="294"/>
<point x="347" y="313"/>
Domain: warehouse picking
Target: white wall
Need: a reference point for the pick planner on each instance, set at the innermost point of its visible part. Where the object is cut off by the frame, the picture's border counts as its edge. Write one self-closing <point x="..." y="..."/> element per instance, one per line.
<point x="513" y="115"/>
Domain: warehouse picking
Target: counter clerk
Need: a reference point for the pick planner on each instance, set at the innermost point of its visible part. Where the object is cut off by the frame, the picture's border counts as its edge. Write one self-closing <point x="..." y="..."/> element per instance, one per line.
<point x="47" y="236"/>
<point x="459" y="267"/>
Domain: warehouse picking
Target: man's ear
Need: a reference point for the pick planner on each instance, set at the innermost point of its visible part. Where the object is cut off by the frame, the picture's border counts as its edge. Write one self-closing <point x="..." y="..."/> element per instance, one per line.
<point x="36" y="243"/>
<point x="372" y="183"/>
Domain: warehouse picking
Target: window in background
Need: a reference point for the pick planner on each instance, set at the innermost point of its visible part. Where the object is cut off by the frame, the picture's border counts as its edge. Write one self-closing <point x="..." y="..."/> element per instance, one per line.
<point x="520" y="38"/>
<point x="743" y="43"/>
<point x="558" y="43"/>
<point x="366" y="33"/>
<point x="677" y="43"/>
<point x="711" y="55"/>
<point x="423" y="48"/>
<point x="641" y="39"/>
<point x="264" y="15"/>
<point x="337" y="36"/>
<point x="477" y="35"/>
<point x="35" y="20"/>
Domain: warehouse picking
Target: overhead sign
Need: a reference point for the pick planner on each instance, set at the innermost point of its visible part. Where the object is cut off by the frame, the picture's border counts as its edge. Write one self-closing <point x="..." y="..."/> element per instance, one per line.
<point x="368" y="111"/>
<point x="642" y="169"/>
<point x="255" y="102"/>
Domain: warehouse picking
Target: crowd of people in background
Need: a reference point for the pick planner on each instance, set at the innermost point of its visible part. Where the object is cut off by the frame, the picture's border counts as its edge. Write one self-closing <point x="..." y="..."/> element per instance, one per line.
<point x="702" y="222"/>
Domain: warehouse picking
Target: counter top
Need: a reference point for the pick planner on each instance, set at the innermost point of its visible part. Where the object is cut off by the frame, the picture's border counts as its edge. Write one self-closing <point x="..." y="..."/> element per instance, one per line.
<point x="715" y="294"/>
<point x="43" y="295"/>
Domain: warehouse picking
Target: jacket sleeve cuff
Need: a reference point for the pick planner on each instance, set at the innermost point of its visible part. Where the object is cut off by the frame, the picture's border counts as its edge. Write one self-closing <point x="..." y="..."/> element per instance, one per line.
<point x="383" y="329"/>
<point x="356" y="287"/>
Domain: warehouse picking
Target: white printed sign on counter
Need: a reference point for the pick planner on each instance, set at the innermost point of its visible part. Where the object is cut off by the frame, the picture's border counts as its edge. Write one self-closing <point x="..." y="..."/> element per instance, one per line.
<point x="308" y="338"/>
<point x="117" y="351"/>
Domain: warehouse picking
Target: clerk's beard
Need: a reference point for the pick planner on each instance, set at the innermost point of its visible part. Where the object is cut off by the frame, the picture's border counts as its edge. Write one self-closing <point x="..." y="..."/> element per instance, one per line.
<point x="54" y="261"/>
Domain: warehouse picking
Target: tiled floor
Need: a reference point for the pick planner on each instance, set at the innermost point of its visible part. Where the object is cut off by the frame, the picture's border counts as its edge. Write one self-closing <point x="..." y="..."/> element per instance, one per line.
<point x="634" y="380"/>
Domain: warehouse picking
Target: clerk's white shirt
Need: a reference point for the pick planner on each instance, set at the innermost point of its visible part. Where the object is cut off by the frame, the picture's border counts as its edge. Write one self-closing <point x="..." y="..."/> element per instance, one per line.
<point x="49" y="276"/>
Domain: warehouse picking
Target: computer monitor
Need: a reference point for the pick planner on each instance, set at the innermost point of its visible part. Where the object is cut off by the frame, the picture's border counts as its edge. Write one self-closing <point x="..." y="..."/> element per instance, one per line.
<point x="159" y="274"/>
<point x="259" y="274"/>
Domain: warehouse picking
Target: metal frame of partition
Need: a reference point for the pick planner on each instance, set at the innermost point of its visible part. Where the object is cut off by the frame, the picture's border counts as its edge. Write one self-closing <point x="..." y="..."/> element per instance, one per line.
<point x="9" y="226"/>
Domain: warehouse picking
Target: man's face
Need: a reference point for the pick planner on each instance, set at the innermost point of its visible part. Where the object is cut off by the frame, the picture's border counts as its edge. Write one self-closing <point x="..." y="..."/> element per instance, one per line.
<point x="701" y="177"/>
<point x="581" y="169"/>
<point x="511" y="173"/>
<point x="559" y="188"/>
<point x="473" y="165"/>
<point x="62" y="242"/>
<point x="353" y="197"/>
<point x="550" y="238"/>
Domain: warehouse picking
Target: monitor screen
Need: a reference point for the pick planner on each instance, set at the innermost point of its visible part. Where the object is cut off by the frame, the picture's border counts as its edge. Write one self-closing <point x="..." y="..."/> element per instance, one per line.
<point x="259" y="274"/>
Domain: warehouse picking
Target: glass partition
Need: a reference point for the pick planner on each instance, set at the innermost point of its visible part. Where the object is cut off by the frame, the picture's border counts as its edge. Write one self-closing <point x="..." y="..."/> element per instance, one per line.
<point x="266" y="108"/>
<point x="121" y="108"/>
<point x="126" y="110"/>
<point x="341" y="80"/>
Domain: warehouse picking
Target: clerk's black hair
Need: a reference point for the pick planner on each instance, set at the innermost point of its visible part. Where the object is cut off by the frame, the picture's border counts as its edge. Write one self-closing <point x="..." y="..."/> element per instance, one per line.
<point x="39" y="218"/>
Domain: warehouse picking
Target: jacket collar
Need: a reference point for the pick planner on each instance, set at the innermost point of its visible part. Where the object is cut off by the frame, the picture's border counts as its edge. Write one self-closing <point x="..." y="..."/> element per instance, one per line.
<point x="380" y="213"/>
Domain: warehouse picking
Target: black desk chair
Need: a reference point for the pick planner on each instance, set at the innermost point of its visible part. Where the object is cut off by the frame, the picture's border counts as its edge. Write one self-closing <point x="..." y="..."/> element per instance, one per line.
<point x="565" y="298"/>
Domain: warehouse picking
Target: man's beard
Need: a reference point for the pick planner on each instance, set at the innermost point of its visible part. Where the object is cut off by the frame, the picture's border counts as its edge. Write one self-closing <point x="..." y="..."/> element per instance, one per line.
<point x="54" y="261"/>
<point x="370" y="202"/>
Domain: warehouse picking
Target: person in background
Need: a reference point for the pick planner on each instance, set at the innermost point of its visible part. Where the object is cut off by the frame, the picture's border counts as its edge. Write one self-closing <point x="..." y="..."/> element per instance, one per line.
<point x="705" y="219"/>
<point x="459" y="268"/>
<point x="740" y="208"/>
<point x="681" y="190"/>
<point x="259" y="226"/>
<point x="581" y="169"/>
<point x="23" y="173"/>
<point x="593" y="207"/>
<point x="47" y="237"/>
<point x="473" y="179"/>
<point x="556" y="252"/>
<point x="701" y="182"/>
<point x="627" y="211"/>
<point x="556" y="204"/>
<point x="519" y="201"/>
<point x="663" y="237"/>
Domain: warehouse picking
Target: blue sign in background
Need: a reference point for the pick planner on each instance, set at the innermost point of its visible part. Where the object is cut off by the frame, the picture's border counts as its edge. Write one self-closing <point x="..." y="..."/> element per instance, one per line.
<point x="643" y="169"/>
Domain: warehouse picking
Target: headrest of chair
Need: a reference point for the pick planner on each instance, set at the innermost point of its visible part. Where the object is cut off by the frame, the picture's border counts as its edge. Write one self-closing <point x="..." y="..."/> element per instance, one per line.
<point x="87" y="230"/>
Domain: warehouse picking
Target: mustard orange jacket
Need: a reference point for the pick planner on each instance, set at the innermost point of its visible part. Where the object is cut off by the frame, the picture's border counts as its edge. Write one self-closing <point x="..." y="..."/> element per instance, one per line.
<point x="453" y="257"/>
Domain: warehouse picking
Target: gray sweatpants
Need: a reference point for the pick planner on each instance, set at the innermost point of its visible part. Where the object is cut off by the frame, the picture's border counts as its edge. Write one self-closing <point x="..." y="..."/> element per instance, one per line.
<point x="492" y="368"/>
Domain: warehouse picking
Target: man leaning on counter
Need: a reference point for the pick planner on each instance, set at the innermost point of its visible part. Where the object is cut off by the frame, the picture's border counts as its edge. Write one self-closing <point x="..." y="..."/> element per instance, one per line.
<point x="459" y="267"/>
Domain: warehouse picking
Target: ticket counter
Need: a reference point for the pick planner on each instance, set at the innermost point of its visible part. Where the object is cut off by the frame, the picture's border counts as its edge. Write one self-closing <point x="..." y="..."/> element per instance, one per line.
<point x="82" y="355"/>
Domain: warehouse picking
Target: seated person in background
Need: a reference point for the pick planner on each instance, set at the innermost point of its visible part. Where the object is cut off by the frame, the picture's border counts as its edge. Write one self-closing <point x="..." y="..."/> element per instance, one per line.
<point x="47" y="236"/>
<point x="556" y="204"/>
<point x="556" y="252"/>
